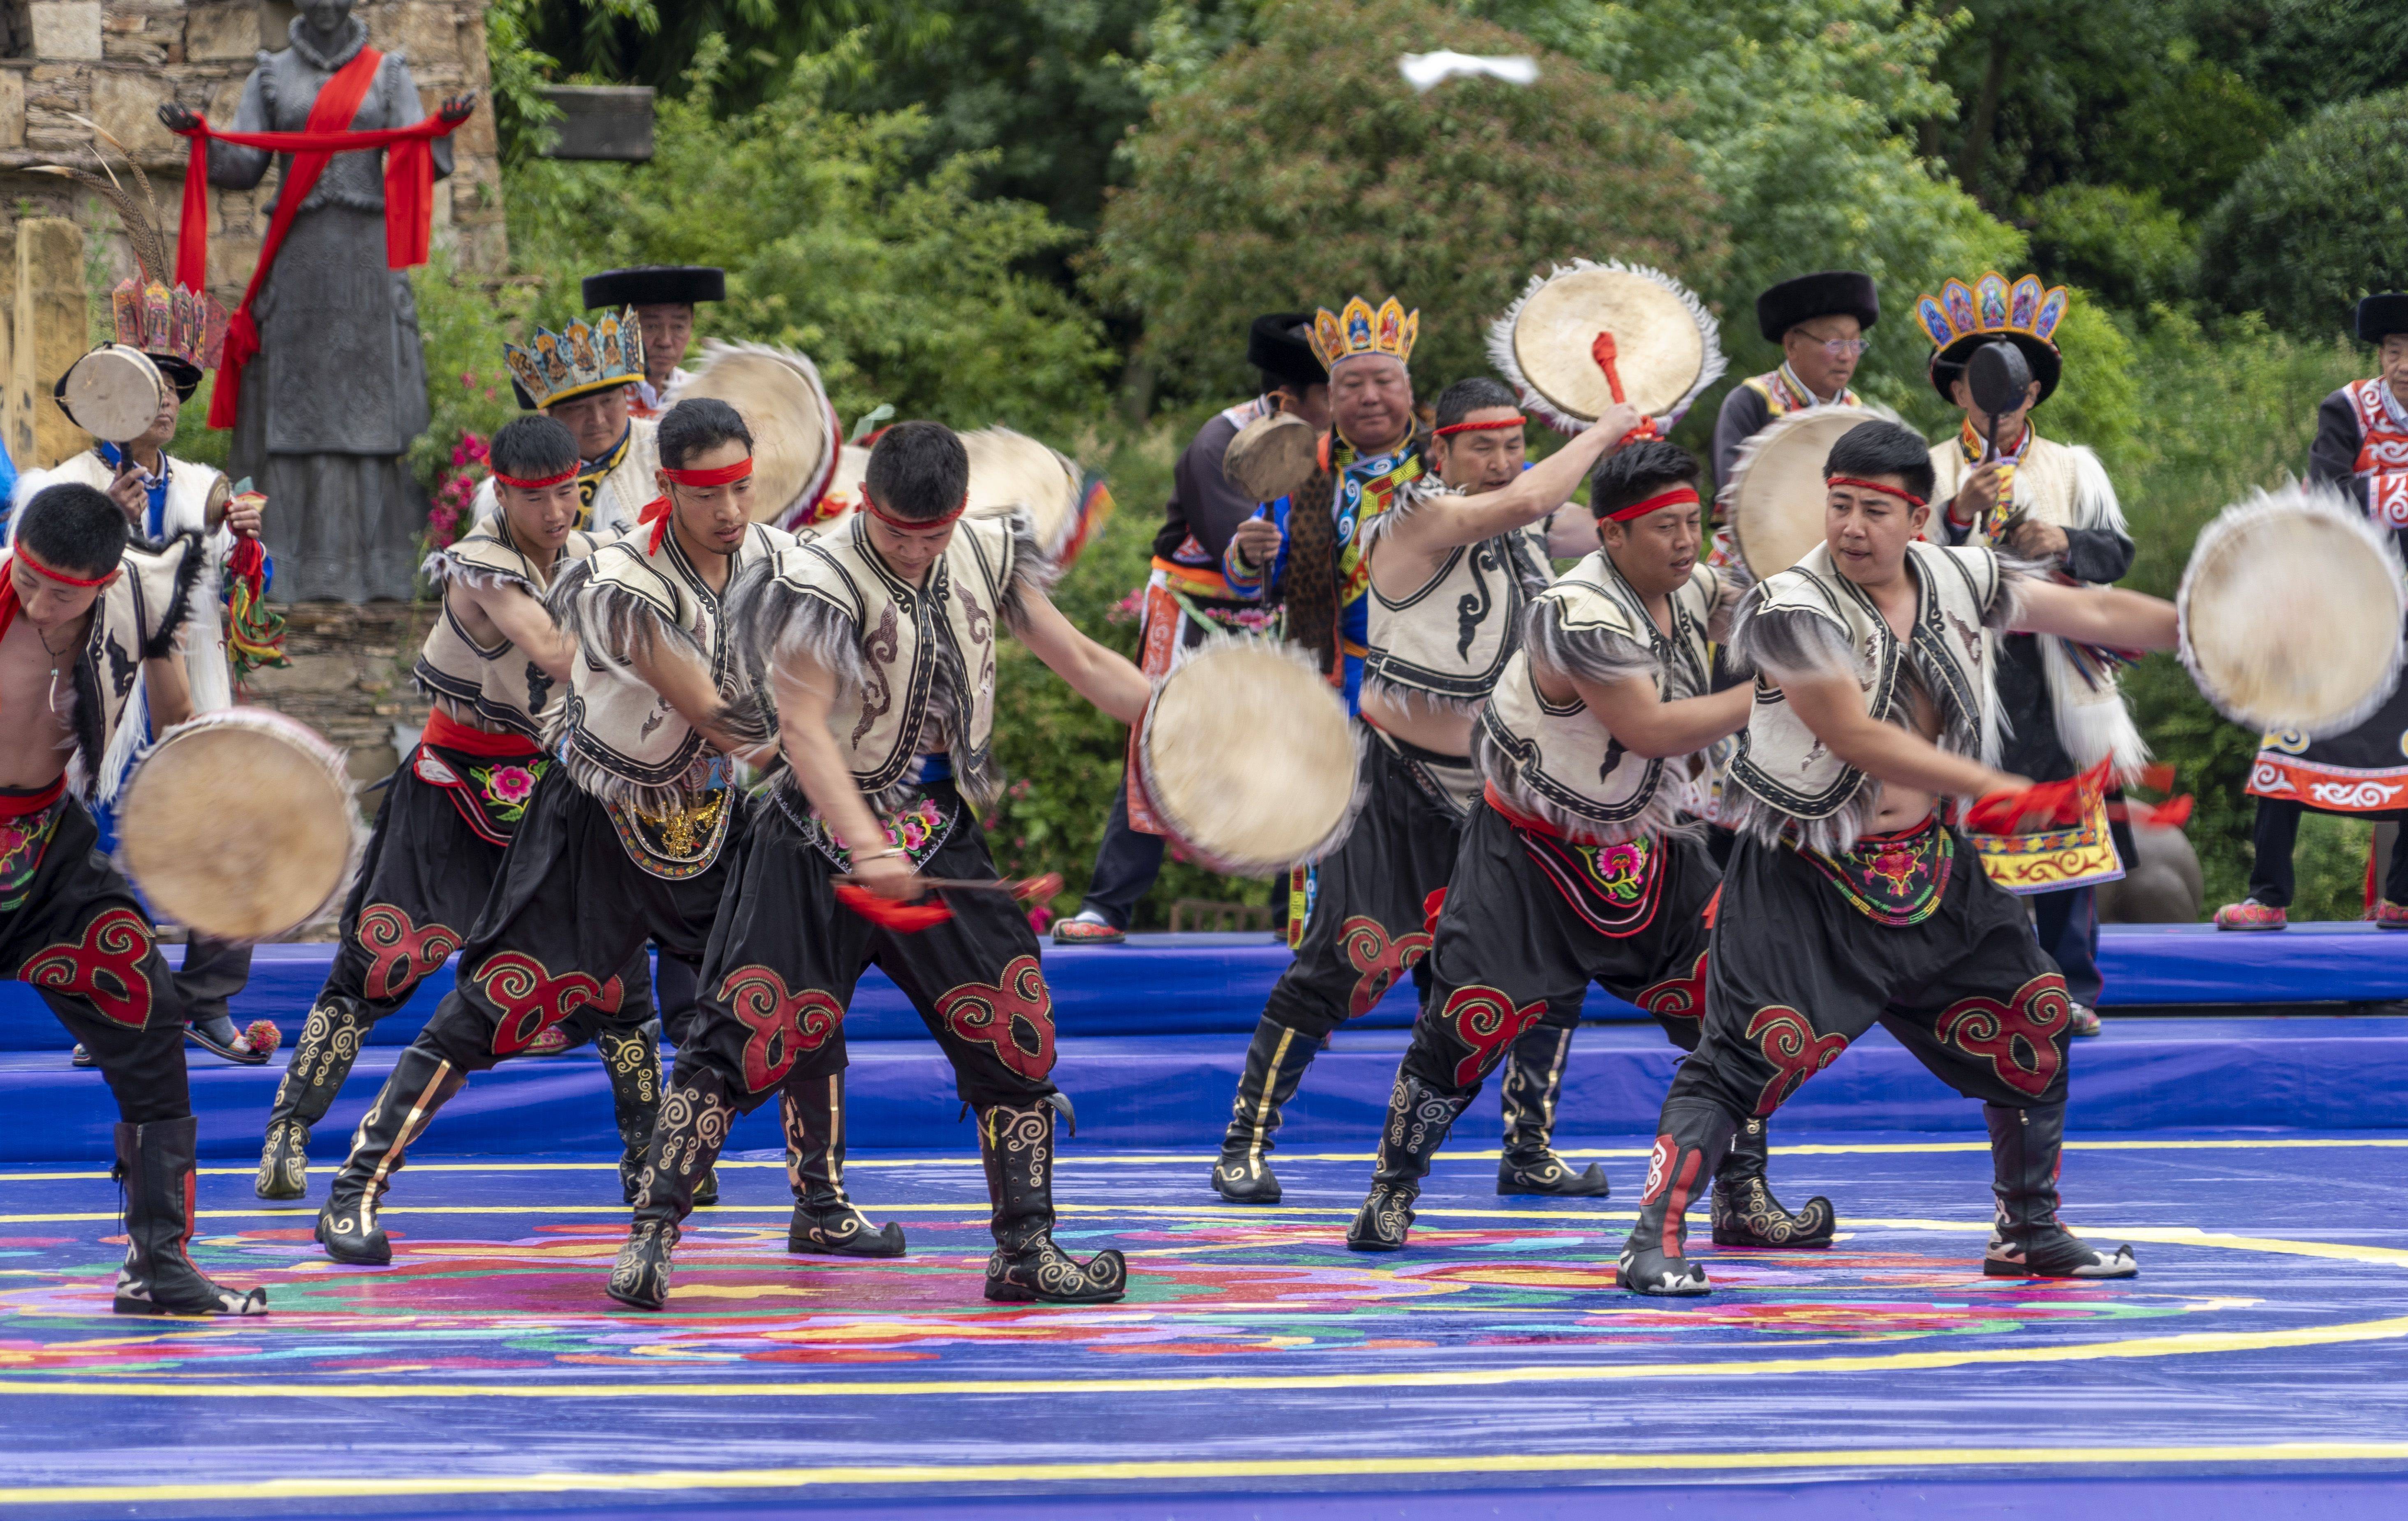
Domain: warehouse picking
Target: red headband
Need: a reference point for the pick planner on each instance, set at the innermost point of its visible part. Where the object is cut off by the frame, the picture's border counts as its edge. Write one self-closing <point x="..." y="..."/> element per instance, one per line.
<point x="1899" y="492"/>
<point x="1516" y="421"/>
<point x="723" y="475"/>
<point x="1681" y="495"/>
<point x="62" y="576"/>
<point x="545" y="483"/>
<point x="870" y="506"/>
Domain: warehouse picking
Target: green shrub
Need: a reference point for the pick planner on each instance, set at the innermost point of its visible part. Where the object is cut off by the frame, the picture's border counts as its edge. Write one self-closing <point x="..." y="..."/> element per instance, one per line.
<point x="2317" y="221"/>
<point x="2124" y="245"/>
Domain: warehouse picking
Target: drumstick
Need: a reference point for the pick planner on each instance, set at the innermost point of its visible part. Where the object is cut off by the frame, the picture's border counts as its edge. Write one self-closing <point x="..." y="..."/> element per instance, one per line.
<point x="1023" y="888"/>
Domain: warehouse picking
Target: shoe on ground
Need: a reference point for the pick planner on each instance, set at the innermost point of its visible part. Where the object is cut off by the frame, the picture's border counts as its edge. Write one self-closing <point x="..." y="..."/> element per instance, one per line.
<point x="1084" y="929"/>
<point x="549" y="1042"/>
<point x="2085" y="1021"/>
<point x="251" y="1046"/>
<point x="81" y="1057"/>
<point x="2387" y="914"/>
<point x="2249" y="914"/>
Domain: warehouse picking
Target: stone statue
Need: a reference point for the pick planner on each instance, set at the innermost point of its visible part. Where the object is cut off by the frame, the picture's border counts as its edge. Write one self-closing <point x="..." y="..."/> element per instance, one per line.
<point x="339" y="388"/>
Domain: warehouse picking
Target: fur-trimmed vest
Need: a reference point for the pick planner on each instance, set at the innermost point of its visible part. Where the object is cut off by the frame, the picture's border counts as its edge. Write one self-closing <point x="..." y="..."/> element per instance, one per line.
<point x="1445" y="645"/>
<point x="1556" y="762"/>
<point x="134" y="618"/>
<point x="620" y="739"/>
<point x="916" y="663"/>
<point x="618" y="497"/>
<point x="1811" y="619"/>
<point x="491" y="684"/>
<point x="2063" y="483"/>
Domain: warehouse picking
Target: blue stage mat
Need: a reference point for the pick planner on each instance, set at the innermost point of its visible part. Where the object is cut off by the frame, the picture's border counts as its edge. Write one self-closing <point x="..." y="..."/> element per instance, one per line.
<point x="2331" y="1072"/>
<point x="1257" y="1369"/>
<point x="1198" y="984"/>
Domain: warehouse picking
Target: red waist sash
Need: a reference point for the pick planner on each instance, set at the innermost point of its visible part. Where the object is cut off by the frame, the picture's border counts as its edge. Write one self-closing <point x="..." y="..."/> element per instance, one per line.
<point x="445" y="731"/>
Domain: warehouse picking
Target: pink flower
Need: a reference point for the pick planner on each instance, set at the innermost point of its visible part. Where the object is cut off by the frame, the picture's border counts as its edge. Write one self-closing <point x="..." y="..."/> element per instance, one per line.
<point x="510" y="784"/>
<point x="467" y="380"/>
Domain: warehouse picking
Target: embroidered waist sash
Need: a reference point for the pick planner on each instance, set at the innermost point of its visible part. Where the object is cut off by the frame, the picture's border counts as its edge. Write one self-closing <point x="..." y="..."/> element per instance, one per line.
<point x="1613" y="888"/>
<point x="1895" y="879"/>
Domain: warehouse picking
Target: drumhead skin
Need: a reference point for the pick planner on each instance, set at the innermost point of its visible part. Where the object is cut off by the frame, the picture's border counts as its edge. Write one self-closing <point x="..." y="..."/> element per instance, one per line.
<point x="2247" y="636"/>
<point x="1249" y="757"/>
<point x="778" y="394"/>
<point x="1774" y="499"/>
<point x="114" y="392"/>
<point x="1010" y="471"/>
<point x="238" y="824"/>
<point x="1660" y="352"/>
<point x="1272" y="456"/>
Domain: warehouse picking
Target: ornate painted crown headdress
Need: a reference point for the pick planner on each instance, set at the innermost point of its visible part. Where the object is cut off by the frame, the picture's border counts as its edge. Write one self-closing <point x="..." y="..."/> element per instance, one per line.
<point x="1359" y="332"/>
<point x="578" y="360"/>
<point x="1991" y="309"/>
<point x="174" y="323"/>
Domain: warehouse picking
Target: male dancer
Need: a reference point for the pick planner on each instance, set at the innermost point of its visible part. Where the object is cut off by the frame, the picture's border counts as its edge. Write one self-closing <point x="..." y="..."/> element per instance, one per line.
<point x="81" y="614"/>
<point x="1819" y="322"/>
<point x="585" y="376"/>
<point x="1577" y="864"/>
<point x="1449" y="575"/>
<point x="663" y="297"/>
<point x="493" y="664"/>
<point x="1999" y="483"/>
<point x="624" y="838"/>
<point x="1851" y="898"/>
<point x="878" y="646"/>
<point x="2361" y="447"/>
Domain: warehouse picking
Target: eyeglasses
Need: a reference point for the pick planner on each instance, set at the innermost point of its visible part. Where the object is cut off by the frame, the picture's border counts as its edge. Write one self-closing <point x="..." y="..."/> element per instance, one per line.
<point x="1843" y="348"/>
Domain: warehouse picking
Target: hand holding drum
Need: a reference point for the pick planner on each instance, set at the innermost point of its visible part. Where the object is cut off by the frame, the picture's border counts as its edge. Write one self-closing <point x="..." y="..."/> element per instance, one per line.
<point x="114" y="393"/>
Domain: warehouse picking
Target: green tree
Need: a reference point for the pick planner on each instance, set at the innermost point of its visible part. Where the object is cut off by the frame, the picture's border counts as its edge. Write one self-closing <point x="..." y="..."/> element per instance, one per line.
<point x="1302" y="169"/>
<point x="2317" y="223"/>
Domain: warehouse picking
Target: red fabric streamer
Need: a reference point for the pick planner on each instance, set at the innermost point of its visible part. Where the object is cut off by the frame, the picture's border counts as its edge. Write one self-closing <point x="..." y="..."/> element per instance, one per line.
<point x="912" y="525"/>
<point x="2040" y="807"/>
<point x="903" y="918"/>
<point x="717" y="475"/>
<point x="1682" y="495"/>
<point x="1713" y="906"/>
<point x="2172" y="813"/>
<point x="1903" y="495"/>
<point x="409" y="201"/>
<point x="1516" y="421"/>
<point x="452" y="734"/>
<point x="545" y="483"/>
<point x="656" y="512"/>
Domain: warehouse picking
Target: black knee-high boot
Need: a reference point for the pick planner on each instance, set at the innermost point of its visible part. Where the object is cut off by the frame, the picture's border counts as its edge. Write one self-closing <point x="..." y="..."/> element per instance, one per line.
<point x="695" y="1122"/>
<point x="824" y="1220"/>
<point x="1017" y="1145"/>
<point x="1745" y="1213"/>
<point x="632" y="1060"/>
<point x="1419" y="1117"/>
<point x="1275" y="1064"/>
<point x="421" y="1083"/>
<point x="322" y="1058"/>
<point x="2026" y="1241"/>
<point x="1691" y="1138"/>
<point x="1531" y="1084"/>
<point x="155" y="1163"/>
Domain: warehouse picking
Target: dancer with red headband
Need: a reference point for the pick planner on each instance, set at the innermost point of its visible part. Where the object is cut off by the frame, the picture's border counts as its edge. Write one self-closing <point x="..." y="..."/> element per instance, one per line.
<point x="1449" y="567"/>
<point x="622" y="839"/>
<point x="495" y="667"/>
<point x="1577" y="864"/>
<point x="1852" y="895"/>
<point x="81" y="612"/>
<point x="877" y="647"/>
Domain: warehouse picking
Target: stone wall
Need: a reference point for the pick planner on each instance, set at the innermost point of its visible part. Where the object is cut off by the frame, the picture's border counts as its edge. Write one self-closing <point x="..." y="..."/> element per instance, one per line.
<point x="115" y="61"/>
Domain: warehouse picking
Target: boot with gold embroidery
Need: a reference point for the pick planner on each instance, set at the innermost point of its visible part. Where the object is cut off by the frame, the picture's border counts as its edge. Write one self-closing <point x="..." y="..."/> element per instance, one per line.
<point x="421" y="1083"/>
<point x="322" y="1058"/>
<point x="1745" y="1213"/>
<point x="631" y="1059"/>
<point x="1017" y="1145"/>
<point x="1419" y="1117"/>
<point x="695" y="1119"/>
<point x="1531" y="1082"/>
<point x="824" y="1220"/>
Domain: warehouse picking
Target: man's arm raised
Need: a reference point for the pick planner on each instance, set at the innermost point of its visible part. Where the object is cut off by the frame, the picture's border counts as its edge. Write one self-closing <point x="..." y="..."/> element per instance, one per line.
<point x="2108" y="616"/>
<point x="1437" y="524"/>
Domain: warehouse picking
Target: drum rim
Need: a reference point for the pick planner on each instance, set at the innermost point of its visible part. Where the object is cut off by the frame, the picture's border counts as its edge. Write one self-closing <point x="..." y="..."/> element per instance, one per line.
<point x="795" y="514"/>
<point x="1506" y="355"/>
<point x="112" y="349"/>
<point x="1753" y="449"/>
<point x="1143" y="749"/>
<point x="1062" y="533"/>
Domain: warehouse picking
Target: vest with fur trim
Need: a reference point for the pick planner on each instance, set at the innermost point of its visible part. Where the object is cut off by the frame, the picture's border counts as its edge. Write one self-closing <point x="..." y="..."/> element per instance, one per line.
<point x="1445" y="644"/>
<point x="618" y="497"/>
<point x="1785" y="779"/>
<point x="135" y="618"/>
<point x="920" y="660"/>
<point x="1558" y="762"/>
<point x="489" y="684"/>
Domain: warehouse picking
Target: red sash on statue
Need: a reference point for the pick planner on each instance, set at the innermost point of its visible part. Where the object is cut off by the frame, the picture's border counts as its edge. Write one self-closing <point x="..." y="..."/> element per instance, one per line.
<point x="409" y="201"/>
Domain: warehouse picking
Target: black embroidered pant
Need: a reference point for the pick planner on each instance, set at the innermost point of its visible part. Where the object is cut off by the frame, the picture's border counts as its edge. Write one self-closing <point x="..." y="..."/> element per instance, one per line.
<point x="565" y="927"/>
<point x="1530" y="921"/>
<point x="81" y="938"/>
<point x="1800" y="969"/>
<point x="1371" y="896"/>
<point x="785" y="955"/>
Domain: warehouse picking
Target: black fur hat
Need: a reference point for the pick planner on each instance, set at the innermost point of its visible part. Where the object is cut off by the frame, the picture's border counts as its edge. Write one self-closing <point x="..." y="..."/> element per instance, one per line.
<point x="1833" y="293"/>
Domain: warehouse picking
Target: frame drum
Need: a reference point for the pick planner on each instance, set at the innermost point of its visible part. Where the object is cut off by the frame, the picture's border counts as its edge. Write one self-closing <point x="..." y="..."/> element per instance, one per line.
<point x="1667" y="348"/>
<point x="239" y="824"/>
<point x="1775" y="498"/>
<point x="1248" y="759"/>
<point x="1012" y="472"/>
<point x="113" y="393"/>
<point x="795" y="435"/>
<point x="1272" y="456"/>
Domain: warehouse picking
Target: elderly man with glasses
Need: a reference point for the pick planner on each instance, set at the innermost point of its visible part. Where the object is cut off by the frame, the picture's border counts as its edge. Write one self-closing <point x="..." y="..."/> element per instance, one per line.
<point x="1820" y="322"/>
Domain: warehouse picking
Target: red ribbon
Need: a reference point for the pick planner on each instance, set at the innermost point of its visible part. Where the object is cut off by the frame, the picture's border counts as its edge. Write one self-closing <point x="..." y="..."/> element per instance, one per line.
<point x="452" y="734"/>
<point x="59" y="575"/>
<point x="1516" y="421"/>
<point x="656" y="512"/>
<point x="1899" y="492"/>
<point x="1681" y="495"/>
<point x="903" y="918"/>
<point x="545" y="483"/>
<point x="409" y="201"/>
<point x="719" y="476"/>
<point x="2040" y="807"/>
<point x="915" y="524"/>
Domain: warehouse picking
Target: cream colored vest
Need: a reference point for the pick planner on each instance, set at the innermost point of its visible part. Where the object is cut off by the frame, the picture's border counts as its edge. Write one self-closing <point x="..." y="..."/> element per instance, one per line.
<point x="1558" y="762"/>
<point x="491" y="684"/>
<point x="134" y="618"/>
<point x="1447" y="642"/>
<point x="906" y="632"/>
<point x="1781" y="765"/>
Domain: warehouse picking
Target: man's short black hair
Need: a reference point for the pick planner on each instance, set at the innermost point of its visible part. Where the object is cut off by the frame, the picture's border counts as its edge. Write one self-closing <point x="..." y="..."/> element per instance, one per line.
<point x="74" y="528"/>
<point x="919" y="471"/>
<point x="696" y="424"/>
<point x="533" y="447"/>
<point x="1637" y="472"/>
<point x="1871" y="450"/>
<point x="1477" y="395"/>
